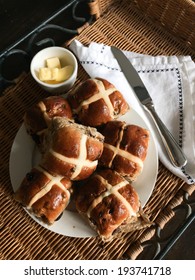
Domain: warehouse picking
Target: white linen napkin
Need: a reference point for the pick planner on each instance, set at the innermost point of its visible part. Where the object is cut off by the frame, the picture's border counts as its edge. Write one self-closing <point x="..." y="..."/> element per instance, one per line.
<point x="170" y="80"/>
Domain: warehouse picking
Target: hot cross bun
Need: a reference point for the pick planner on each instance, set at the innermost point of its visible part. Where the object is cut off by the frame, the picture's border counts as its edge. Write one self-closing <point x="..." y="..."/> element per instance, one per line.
<point x="125" y="148"/>
<point x="72" y="149"/>
<point x="97" y="101"/>
<point x="38" y="117"/>
<point x="109" y="203"/>
<point x="44" y="195"/>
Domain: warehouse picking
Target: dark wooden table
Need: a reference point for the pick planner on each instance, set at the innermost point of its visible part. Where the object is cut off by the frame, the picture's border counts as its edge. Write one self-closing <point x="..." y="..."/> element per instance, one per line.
<point x="18" y="20"/>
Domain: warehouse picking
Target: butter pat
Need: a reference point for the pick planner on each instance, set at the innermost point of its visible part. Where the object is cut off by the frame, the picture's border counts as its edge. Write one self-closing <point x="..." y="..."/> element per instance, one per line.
<point x="53" y="72"/>
<point x="45" y="74"/>
<point x="48" y="74"/>
<point x="64" y="73"/>
<point x="53" y="62"/>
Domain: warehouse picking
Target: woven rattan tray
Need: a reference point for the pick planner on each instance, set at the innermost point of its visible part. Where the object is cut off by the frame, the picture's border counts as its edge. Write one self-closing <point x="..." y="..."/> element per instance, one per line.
<point x="152" y="27"/>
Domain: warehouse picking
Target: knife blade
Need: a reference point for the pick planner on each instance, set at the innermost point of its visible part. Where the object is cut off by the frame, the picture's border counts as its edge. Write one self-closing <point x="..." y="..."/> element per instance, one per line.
<point x="173" y="149"/>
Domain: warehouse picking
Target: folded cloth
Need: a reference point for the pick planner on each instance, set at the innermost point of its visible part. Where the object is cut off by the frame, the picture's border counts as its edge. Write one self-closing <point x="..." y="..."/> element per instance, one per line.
<point x="170" y="80"/>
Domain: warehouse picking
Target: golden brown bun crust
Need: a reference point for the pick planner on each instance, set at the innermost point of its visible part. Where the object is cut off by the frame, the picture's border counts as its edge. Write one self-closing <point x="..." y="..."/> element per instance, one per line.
<point x="131" y="139"/>
<point x="52" y="203"/>
<point x="99" y="198"/>
<point x="72" y="150"/>
<point x="38" y="117"/>
<point x="98" y="111"/>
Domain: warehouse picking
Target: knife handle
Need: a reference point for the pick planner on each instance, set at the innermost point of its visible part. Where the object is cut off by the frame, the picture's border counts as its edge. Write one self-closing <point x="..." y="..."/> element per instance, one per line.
<point x="175" y="153"/>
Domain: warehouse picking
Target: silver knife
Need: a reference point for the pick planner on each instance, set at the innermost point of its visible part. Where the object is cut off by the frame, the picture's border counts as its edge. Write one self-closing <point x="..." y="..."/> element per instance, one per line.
<point x="174" y="152"/>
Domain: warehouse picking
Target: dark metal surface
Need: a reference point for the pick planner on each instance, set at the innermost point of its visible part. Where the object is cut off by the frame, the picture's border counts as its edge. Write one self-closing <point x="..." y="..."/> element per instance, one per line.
<point x="56" y="28"/>
<point x="175" y="240"/>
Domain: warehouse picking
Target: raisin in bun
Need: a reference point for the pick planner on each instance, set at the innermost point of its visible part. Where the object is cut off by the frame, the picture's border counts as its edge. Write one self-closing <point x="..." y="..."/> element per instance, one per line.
<point x="97" y="101"/>
<point x="125" y="148"/>
<point x="110" y="204"/>
<point x="38" y="117"/>
<point x="44" y="195"/>
<point x="72" y="149"/>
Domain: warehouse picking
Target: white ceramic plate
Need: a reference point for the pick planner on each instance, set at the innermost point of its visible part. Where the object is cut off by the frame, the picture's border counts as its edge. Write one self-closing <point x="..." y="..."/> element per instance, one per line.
<point x="24" y="155"/>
